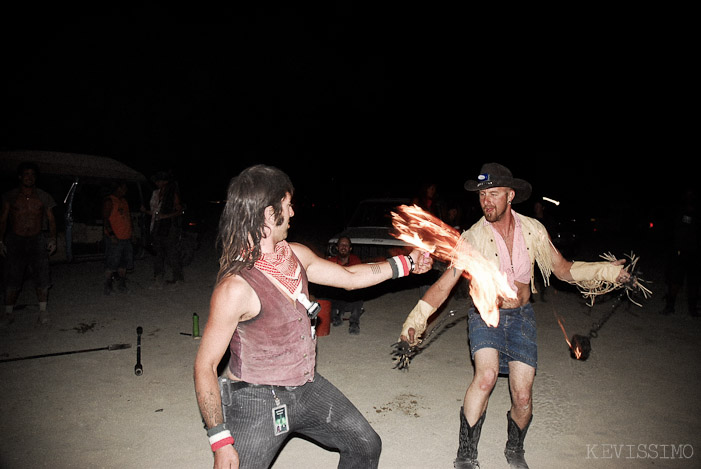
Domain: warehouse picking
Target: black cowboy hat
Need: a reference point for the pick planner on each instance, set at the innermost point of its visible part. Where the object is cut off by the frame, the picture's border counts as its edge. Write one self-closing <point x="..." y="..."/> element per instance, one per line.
<point x="496" y="175"/>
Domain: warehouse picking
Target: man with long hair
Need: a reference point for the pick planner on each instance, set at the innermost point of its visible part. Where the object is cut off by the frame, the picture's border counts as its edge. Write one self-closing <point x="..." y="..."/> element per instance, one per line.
<point x="261" y="313"/>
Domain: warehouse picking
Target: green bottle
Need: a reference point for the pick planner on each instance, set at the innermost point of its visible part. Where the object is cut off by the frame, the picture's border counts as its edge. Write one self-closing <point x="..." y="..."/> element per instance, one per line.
<point x="195" y="326"/>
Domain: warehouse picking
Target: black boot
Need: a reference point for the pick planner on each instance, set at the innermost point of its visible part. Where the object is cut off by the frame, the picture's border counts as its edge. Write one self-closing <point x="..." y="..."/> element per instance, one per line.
<point x="467" y="446"/>
<point x="514" y="446"/>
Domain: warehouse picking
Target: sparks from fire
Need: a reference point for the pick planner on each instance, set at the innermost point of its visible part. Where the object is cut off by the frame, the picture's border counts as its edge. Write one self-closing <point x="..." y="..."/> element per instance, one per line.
<point x="576" y="349"/>
<point x="424" y="231"/>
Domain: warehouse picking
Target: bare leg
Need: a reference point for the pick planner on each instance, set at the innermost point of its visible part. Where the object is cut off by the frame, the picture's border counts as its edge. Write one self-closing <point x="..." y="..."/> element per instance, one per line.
<point x="521" y="378"/>
<point x="7" y="316"/>
<point x="479" y="390"/>
<point x="43" y="297"/>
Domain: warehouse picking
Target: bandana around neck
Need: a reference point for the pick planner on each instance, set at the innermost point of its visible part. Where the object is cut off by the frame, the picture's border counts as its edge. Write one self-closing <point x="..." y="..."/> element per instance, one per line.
<point x="282" y="267"/>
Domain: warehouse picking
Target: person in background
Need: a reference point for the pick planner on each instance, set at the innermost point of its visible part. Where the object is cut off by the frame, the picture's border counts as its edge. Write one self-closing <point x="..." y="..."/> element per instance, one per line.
<point x="429" y="200"/>
<point x="26" y="210"/>
<point x="165" y="210"/>
<point x="119" y="253"/>
<point x="346" y="300"/>
<point x="684" y="255"/>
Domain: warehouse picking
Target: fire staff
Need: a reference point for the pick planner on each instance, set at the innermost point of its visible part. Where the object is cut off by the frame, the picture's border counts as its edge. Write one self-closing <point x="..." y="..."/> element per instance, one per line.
<point x="514" y="243"/>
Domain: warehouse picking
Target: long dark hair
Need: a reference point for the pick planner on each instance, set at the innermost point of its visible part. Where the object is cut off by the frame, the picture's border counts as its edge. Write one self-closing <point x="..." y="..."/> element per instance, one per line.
<point x="243" y="219"/>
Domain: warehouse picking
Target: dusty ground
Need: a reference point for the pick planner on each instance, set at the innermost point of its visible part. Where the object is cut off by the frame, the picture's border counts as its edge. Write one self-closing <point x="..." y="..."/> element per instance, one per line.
<point x="634" y="403"/>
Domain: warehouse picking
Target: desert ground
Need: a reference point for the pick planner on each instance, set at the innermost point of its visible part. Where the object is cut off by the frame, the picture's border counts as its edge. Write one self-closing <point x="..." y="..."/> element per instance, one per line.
<point x="634" y="403"/>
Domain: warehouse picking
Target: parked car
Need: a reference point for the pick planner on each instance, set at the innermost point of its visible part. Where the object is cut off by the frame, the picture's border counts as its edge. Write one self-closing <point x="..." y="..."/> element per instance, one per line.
<point x="369" y="231"/>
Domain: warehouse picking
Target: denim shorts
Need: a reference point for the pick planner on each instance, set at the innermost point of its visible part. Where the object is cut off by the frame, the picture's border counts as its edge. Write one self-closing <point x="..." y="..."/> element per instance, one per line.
<point x="514" y="338"/>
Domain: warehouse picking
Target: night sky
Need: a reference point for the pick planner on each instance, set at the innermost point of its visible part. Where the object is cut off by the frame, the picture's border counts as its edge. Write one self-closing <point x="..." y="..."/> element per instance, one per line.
<point x="354" y="100"/>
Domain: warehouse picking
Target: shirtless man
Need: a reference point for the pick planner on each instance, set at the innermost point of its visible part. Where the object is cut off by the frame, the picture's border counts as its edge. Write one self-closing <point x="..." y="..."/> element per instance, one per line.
<point x="261" y="312"/>
<point x="514" y="242"/>
<point x="25" y="209"/>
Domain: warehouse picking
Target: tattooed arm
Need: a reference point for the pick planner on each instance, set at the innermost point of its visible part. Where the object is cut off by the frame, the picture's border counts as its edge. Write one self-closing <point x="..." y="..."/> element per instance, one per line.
<point x="324" y="272"/>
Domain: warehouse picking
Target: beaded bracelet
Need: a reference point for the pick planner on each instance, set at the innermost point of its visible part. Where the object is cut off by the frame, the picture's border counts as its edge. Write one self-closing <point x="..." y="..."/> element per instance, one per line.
<point x="411" y="263"/>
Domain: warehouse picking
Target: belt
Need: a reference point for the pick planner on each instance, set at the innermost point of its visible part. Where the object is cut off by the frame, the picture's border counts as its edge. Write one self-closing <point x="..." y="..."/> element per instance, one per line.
<point x="236" y="385"/>
<point x="227" y="387"/>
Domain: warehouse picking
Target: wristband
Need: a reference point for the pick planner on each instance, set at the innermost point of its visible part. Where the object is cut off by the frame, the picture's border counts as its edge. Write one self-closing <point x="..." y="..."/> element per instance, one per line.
<point x="393" y="266"/>
<point x="404" y="265"/>
<point x="219" y="436"/>
<point x="411" y="263"/>
<point x="400" y="266"/>
<point x="216" y="429"/>
<point x="221" y="439"/>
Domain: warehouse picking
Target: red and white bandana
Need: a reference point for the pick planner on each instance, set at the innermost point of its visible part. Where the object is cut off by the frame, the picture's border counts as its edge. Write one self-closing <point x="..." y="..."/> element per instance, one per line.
<point x="282" y="267"/>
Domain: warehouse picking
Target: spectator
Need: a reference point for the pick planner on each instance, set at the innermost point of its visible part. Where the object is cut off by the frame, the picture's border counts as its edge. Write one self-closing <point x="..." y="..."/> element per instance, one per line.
<point x="429" y="200"/>
<point x="166" y="210"/>
<point x="684" y="256"/>
<point x="119" y="254"/>
<point x="27" y="247"/>
<point x="346" y="300"/>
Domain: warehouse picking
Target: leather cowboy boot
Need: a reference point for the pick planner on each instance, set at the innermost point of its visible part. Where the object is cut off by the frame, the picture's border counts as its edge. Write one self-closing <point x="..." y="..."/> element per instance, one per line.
<point x="467" y="445"/>
<point x="514" y="446"/>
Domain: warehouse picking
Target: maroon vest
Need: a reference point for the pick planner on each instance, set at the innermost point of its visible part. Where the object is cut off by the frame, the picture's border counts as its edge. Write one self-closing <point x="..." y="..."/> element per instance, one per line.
<point x="276" y="346"/>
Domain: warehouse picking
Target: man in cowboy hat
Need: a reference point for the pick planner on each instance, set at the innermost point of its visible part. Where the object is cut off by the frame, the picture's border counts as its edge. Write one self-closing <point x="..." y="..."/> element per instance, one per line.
<point x="514" y="243"/>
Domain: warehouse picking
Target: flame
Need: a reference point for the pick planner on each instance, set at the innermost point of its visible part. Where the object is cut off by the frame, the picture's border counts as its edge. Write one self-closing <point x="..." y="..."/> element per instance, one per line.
<point x="488" y="286"/>
<point x="577" y="349"/>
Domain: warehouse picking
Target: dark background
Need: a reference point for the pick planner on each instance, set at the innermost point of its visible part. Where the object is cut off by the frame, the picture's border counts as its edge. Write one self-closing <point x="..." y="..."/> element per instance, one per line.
<point x="354" y="101"/>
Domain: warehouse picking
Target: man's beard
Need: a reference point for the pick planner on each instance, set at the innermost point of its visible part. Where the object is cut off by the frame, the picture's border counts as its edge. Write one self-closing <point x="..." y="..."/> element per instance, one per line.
<point x="492" y="214"/>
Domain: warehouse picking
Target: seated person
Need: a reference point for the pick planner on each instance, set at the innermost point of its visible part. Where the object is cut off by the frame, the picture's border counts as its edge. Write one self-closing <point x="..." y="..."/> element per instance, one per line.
<point x="347" y="300"/>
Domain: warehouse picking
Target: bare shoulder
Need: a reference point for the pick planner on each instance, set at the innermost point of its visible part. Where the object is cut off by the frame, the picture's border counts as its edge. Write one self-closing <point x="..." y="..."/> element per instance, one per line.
<point x="234" y="297"/>
<point x="305" y="255"/>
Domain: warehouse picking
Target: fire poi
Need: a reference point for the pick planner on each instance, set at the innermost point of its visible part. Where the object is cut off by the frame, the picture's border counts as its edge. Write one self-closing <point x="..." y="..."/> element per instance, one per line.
<point x="580" y="345"/>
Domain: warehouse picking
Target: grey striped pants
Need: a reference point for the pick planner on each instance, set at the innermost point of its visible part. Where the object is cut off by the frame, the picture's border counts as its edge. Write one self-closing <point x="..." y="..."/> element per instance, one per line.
<point x="316" y="410"/>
